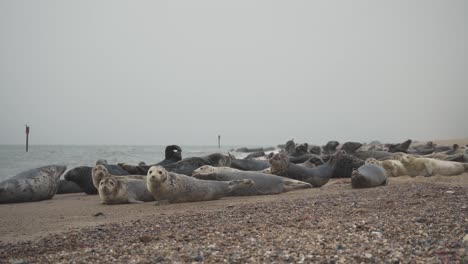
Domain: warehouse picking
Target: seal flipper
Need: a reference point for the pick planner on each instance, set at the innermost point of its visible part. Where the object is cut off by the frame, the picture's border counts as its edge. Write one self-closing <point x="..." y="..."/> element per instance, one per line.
<point x="291" y="185"/>
<point x="134" y="201"/>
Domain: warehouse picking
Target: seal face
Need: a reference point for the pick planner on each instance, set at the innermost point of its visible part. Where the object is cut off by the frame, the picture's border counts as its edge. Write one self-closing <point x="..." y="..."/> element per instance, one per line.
<point x="32" y="185"/>
<point x="113" y="190"/>
<point x="174" y="188"/>
<point x="369" y="175"/>
<point x="82" y="176"/>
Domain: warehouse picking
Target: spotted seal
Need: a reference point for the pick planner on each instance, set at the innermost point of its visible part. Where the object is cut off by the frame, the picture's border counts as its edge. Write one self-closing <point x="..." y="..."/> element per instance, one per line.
<point x="176" y="188"/>
<point x="113" y="190"/>
<point x="31" y="185"/>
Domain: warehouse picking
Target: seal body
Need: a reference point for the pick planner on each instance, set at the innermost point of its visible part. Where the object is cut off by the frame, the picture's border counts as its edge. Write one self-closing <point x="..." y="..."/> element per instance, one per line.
<point x="394" y="168"/>
<point x="351" y="147"/>
<point x="82" y="176"/>
<point x="249" y="165"/>
<point x="369" y="175"/>
<point x="68" y="187"/>
<point x="376" y="154"/>
<point x="317" y="176"/>
<point x="32" y="185"/>
<point x="176" y="188"/>
<point x="264" y="183"/>
<point x="429" y="167"/>
<point x="185" y="166"/>
<point x="114" y="190"/>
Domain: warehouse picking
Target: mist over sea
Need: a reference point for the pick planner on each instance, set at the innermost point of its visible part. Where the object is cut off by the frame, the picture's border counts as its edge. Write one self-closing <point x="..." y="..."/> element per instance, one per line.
<point x="14" y="158"/>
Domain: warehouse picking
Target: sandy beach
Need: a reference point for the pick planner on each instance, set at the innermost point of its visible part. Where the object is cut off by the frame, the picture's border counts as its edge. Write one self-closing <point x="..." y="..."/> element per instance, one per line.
<point x="422" y="220"/>
<point x="419" y="220"/>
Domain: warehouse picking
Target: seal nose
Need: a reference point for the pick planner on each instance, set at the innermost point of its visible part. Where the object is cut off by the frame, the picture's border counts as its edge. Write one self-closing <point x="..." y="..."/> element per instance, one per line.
<point x="153" y="177"/>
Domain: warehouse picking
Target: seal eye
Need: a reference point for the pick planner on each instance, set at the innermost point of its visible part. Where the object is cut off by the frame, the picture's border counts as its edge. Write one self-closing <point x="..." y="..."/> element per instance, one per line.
<point x="150" y="172"/>
<point x="160" y="172"/>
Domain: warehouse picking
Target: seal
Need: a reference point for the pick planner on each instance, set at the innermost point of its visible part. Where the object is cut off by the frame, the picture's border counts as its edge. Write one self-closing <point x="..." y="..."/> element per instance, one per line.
<point x="31" y="185"/>
<point x="185" y="166"/>
<point x="177" y="188"/>
<point x="369" y="175"/>
<point x="330" y="147"/>
<point x="300" y="150"/>
<point x="344" y="164"/>
<point x="314" y="149"/>
<point x="254" y="155"/>
<point x="82" y="176"/>
<point x="401" y="147"/>
<point x="351" y="147"/>
<point x="394" y="168"/>
<point x="317" y="176"/>
<point x="122" y="190"/>
<point x="304" y="158"/>
<point x="376" y="154"/>
<point x="290" y="146"/>
<point x="428" y="167"/>
<point x="249" y="165"/>
<point x="100" y="172"/>
<point x="209" y="169"/>
<point x="173" y="153"/>
<point x="264" y="183"/>
<point x="68" y="187"/>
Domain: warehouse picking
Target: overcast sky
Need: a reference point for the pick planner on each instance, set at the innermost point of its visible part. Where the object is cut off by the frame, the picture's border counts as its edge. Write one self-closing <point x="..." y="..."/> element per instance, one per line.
<point x="256" y="72"/>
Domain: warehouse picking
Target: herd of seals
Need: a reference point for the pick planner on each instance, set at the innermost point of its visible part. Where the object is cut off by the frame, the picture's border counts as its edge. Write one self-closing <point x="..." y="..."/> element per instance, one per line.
<point x="262" y="172"/>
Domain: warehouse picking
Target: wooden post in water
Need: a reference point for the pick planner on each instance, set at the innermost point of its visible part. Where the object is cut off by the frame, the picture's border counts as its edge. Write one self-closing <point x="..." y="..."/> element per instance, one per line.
<point x="219" y="141"/>
<point x="27" y="137"/>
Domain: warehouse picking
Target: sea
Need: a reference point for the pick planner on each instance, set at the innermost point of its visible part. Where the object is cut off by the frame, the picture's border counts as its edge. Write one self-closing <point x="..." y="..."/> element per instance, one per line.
<point x="14" y="158"/>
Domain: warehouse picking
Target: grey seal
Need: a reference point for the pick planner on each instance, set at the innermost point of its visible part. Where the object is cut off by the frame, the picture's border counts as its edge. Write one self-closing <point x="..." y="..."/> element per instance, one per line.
<point x="185" y="166"/>
<point x="31" y="185"/>
<point x="369" y="175"/>
<point x="123" y="190"/>
<point x="176" y="188"/>
<point x="264" y="183"/>
<point x="317" y="176"/>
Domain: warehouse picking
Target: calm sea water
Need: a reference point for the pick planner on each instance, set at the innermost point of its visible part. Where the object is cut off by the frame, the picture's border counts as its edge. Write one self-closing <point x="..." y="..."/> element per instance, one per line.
<point x="14" y="159"/>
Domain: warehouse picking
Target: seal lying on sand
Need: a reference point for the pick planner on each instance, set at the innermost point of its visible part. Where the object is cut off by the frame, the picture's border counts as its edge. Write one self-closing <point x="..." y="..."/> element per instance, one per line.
<point x="394" y="168"/>
<point x="429" y="167"/>
<point x="376" y="154"/>
<point x="176" y="188"/>
<point x="249" y="165"/>
<point x="369" y="175"/>
<point x="99" y="172"/>
<point x="114" y="190"/>
<point x="32" y="185"/>
<point x="317" y="176"/>
<point x="185" y="166"/>
<point x="83" y="178"/>
<point x="264" y="183"/>
<point x="344" y="164"/>
<point x="68" y="187"/>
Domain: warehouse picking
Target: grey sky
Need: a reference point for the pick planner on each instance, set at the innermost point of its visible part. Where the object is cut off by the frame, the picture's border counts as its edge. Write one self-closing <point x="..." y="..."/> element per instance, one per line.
<point x="256" y="72"/>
